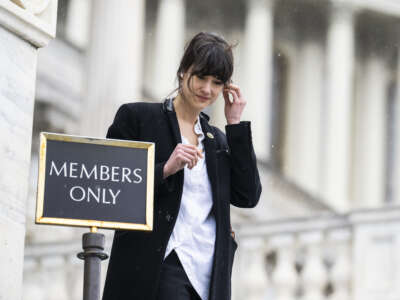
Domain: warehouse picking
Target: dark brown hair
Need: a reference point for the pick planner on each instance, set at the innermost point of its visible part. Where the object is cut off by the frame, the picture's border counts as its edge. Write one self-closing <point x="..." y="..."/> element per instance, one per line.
<point x="207" y="54"/>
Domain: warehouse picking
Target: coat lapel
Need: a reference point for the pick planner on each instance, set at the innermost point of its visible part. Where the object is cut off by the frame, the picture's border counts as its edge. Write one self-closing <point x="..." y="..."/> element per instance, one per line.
<point x="211" y="157"/>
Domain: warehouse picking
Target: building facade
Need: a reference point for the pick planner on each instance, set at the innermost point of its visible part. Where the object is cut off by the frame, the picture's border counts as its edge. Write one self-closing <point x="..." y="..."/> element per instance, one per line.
<point x="322" y="82"/>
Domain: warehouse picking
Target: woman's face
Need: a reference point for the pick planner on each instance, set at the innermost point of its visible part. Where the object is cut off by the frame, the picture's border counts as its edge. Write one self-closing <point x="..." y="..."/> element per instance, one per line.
<point x="204" y="90"/>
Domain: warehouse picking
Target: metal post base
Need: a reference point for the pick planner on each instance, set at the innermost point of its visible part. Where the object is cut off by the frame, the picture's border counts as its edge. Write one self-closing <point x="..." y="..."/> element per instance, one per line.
<point x="93" y="246"/>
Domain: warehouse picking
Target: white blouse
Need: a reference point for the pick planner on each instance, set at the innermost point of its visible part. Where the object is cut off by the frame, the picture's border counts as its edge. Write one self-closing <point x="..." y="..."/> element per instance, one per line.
<point x="193" y="237"/>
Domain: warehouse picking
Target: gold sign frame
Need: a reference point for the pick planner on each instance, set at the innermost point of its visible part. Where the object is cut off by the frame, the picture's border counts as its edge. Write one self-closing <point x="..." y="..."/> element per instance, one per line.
<point x="39" y="219"/>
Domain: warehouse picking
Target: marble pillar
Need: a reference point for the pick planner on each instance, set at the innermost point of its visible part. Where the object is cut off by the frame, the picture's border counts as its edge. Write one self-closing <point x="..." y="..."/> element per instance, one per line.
<point x="303" y="140"/>
<point x="168" y="47"/>
<point x="24" y="27"/>
<point x="77" y="23"/>
<point x="370" y="135"/>
<point x="339" y="101"/>
<point x="396" y="169"/>
<point x="257" y="79"/>
<point x="114" y="62"/>
<point x="292" y="134"/>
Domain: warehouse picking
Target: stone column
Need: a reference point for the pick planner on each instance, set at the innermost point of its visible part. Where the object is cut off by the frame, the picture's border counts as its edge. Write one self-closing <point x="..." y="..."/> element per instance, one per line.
<point x="25" y="26"/>
<point x="303" y="138"/>
<point x="257" y="79"/>
<point x="370" y="134"/>
<point x="396" y="169"/>
<point x="340" y="61"/>
<point x="169" y="46"/>
<point x="77" y="25"/>
<point x="114" y="62"/>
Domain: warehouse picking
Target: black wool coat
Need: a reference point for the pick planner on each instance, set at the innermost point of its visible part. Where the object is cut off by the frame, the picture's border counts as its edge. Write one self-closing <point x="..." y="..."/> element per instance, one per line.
<point x="136" y="256"/>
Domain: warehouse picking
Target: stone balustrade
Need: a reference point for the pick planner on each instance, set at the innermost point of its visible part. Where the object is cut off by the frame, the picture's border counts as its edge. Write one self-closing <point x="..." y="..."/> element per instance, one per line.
<point x="53" y="271"/>
<point x="326" y="257"/>
<point x="318" y="258"/>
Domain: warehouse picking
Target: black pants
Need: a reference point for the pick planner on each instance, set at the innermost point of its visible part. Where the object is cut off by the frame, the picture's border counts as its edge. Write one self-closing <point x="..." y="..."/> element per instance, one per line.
<point x="174" y="283"/>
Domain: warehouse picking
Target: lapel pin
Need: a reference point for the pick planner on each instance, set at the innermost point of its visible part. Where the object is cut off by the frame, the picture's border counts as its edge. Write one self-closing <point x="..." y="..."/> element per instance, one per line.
<point x="210" y="135"/>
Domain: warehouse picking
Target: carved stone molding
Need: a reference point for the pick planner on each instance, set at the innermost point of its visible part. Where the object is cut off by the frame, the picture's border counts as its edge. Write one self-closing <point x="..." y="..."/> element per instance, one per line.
<point x="32" y="20"/>
<point x="34" y="6"/>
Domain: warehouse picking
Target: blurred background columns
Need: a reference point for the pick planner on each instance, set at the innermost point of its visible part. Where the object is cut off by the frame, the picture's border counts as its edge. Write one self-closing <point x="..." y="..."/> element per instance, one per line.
<point x="370" y="134"/>
<point x="305" y="107"/>
<point x="340" y="64"/>
<point x="116" y="41"/>
<point x="396" y="165"/>
<point x="169" y="45"/>
<point x="258" y="64"/>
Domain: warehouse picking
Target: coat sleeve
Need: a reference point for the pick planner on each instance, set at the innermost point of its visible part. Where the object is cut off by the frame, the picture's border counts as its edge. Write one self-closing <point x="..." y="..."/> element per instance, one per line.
<point x="245" y="180"/>
<point x="126" y="127"/>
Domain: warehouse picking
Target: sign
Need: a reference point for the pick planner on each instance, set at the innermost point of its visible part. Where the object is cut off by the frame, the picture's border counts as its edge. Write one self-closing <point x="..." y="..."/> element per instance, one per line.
<point x="95" y="182"/>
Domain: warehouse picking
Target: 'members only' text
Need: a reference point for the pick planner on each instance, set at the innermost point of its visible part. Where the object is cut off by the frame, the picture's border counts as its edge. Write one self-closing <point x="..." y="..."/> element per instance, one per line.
<point x="97" y="173"/>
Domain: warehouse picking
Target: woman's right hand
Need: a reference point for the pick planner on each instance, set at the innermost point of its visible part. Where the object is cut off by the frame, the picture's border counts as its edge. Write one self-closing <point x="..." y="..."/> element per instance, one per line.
<point x="181" y="156"/>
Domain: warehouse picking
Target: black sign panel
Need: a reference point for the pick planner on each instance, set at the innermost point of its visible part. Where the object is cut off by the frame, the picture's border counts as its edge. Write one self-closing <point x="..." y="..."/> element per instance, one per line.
<point x="95" y="182"/>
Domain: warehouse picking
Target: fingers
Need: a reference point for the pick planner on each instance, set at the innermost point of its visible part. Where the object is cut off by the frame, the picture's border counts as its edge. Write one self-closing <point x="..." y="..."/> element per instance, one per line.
<point x="225" y="93"/>
<point x="235" y="88"/>
<point x="188" y="154"/>
<point x="192" y="149"/>
<point x="181" y="156"/>
<point x="234" y="109"/>
<point x="186" y="158"/>
<point x="234" y="96"/>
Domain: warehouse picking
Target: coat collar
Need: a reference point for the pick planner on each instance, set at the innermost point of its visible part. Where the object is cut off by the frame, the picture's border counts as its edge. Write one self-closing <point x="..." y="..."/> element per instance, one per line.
<point x="211" y="158"/>
<point x="169" y="107"/>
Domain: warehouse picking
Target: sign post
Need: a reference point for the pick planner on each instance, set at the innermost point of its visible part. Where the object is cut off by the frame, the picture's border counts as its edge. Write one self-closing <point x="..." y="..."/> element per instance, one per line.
<point x="95" y="183"/>
<point x="93" y="245"/>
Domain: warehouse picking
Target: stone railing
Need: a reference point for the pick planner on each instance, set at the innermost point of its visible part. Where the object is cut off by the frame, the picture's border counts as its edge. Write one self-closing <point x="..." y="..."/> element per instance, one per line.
<point x="337" y="257"/>
<point x="354" y="256"/>
<point x="52" y="270"/>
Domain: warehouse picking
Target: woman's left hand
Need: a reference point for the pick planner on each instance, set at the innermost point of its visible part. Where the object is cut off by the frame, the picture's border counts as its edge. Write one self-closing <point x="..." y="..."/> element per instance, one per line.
<point x="234" y="109"/>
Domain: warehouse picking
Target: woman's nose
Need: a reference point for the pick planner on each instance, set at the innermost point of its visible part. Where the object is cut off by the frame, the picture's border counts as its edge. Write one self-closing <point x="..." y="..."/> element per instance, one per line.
<point x="206" y="87"/>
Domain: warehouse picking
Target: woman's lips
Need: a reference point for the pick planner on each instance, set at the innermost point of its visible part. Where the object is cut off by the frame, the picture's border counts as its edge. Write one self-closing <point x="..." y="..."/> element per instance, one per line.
<point x="202" y="98"/>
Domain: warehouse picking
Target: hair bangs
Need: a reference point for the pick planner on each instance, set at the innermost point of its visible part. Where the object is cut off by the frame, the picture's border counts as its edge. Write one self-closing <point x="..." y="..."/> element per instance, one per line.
<point x="213" y="60"/>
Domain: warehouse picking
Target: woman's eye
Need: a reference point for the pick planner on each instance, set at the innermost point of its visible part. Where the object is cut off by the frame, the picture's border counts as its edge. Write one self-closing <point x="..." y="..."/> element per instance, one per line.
<point x="218" y="82"/>
<point x="200" y="77"/>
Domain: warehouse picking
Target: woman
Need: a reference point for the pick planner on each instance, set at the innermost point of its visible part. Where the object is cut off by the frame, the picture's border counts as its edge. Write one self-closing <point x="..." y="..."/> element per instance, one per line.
<point x="199" y="172"/>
